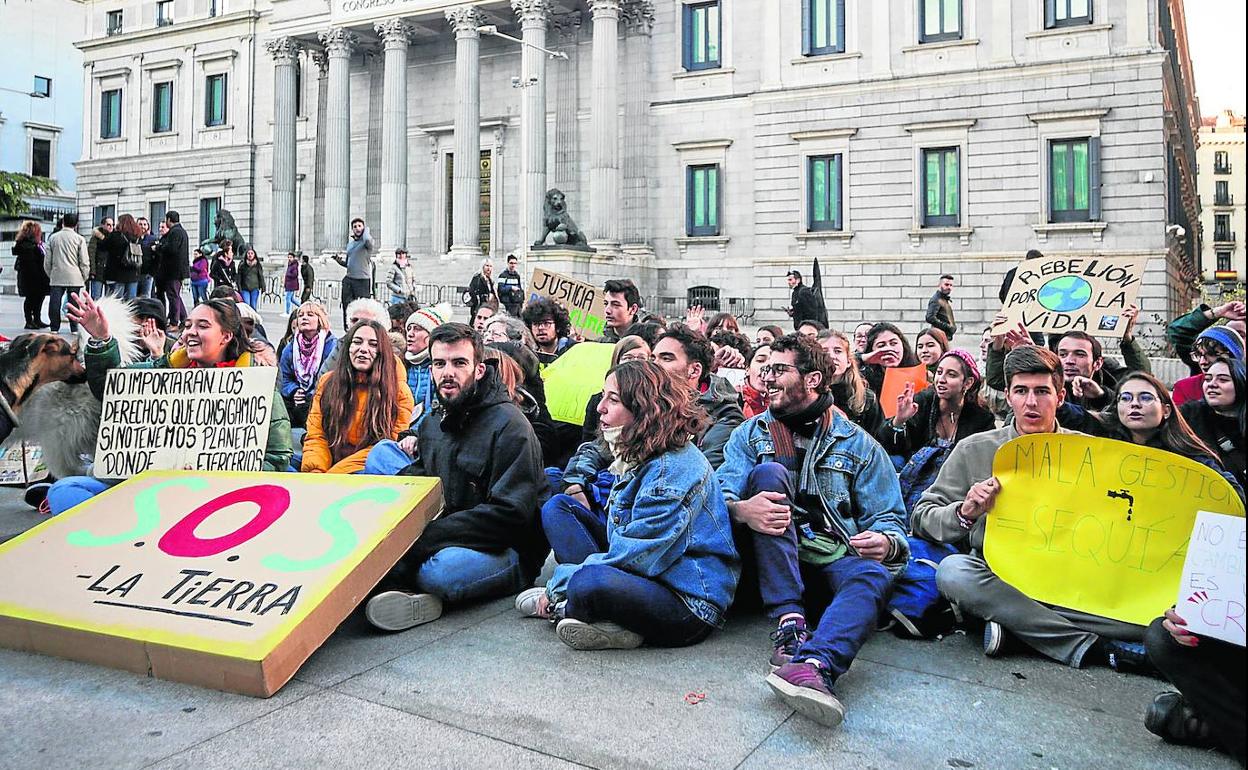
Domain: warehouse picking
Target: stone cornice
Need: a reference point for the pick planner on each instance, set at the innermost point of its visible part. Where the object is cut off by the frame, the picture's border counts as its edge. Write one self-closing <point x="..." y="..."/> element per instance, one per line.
<point x="338" y="41"/>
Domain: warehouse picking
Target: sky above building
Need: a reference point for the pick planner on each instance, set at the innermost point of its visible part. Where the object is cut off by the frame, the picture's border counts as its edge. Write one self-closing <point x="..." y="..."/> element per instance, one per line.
<point x="1215" y="36"/>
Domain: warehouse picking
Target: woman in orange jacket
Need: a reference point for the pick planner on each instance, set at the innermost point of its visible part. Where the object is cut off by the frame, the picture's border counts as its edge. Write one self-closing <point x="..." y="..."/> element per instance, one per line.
<point x="361" y="401"/>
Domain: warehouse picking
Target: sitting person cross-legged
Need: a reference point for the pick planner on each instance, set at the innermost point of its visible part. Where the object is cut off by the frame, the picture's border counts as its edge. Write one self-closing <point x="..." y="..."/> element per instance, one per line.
<point x="824" y="511"/>
<point x="662" y="566"/>
<point x="487" y="541"/>
<point x="363" y="400"/>
<point x="954" y="510"/>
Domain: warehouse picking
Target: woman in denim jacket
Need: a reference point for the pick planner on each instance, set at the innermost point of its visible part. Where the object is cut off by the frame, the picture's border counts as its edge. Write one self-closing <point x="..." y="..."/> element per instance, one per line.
<point x="663" y="567"/>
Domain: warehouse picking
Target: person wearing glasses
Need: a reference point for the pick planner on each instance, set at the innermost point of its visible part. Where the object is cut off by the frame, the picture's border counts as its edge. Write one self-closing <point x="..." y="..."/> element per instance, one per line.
<point x="824" y="511"/>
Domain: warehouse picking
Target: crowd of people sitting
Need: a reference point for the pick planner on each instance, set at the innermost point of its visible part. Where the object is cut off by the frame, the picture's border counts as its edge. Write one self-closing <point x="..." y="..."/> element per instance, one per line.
<point x="715" y="473"/>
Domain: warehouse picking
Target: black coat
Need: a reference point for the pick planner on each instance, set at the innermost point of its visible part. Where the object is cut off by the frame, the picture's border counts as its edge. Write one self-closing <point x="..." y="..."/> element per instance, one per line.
<point x="223" y="274"/>
<point x="921" y="428"/>
<point x="1222" y="434"/>
<point x="807" y="307"/>
<point x="116" y="250"/>
<point x="493" y="486"/>
<point x="173" y="255"/>
<point x="32" y="280"/>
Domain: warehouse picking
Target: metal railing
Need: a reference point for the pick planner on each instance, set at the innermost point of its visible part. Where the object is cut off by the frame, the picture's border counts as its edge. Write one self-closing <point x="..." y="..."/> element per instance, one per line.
<point x="328" y="292"/>
<point x="673" y="308"/>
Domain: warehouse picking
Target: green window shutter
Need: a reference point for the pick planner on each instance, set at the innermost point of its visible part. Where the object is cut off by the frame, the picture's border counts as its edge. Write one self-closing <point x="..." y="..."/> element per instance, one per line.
<point x="1094" y="179"/>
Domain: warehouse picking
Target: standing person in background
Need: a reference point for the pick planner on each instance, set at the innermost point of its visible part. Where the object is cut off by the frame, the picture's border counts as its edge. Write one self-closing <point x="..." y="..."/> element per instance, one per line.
<point x="358" y="282"/>
<point x="1009" y="274"/>
<point x="511" y="287"/>
<point x="481" y="290"/>
<point x="804" y="305"/>
<point x="940" y="309"/>
<point x="147" y="270"/>
<point x="95" y="281"/>
<point x="400" y="281"/>
<point x="224" y="270"/>
<point x="121" y="262"/>
<point x="251" y="279"/>
<point x="173" y="266"/>
<point x="290" y="281"/>
<point x="32" y="278"/>
<point x="67" y="265"/>
<point x="199" y="278"/>
<point x="308" y="276"/>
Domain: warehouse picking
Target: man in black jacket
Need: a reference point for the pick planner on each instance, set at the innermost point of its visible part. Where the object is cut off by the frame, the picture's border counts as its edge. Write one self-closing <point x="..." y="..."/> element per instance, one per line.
<point x="488" y="541"/>
<point x="173" y="266"/>
<point x="940" y="308"/>
<point x="806" y="305"/>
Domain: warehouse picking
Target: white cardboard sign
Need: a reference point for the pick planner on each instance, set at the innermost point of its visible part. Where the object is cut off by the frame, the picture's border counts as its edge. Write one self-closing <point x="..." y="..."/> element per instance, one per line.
<point x="1211" y="590"/>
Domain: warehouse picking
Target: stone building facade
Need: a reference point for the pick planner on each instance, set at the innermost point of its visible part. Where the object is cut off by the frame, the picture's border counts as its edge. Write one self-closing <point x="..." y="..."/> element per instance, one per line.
<point x="1221" y="157"/>
<point x="712" y="143"/>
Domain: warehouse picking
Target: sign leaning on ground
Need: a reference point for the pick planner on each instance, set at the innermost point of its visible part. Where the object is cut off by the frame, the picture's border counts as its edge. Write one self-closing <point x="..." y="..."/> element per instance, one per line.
<point x="1066" y="294"/>
<point x="184" y="419"/>
<point x="584" y="302"/>
<point x="1211" y="592"/>
<point x="1097" y="525"/>
<point x="223" y="580"/>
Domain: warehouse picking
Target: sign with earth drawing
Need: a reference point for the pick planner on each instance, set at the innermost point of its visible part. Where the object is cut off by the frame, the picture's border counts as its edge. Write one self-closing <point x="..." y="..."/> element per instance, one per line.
<point x="1065" y="294"/>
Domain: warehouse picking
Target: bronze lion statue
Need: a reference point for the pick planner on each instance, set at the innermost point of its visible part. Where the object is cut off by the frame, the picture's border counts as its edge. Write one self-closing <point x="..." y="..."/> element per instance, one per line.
<point x="226" y="230"/>
<point x="559" y="227"/>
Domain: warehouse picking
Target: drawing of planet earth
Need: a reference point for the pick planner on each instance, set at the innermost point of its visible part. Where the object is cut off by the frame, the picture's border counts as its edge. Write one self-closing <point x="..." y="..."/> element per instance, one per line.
<point x="1065" y="294"/>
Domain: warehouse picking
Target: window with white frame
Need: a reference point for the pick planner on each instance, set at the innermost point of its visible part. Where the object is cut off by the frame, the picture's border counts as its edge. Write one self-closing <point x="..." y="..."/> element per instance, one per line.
<point x="823" y="27"/>
<point x="1067" y="13"/>
<point x="940" y="20"/>
<point x="164" y="13"/>
<point x="112" y="23"/>
<point x="942" y="187"/>
<point x="701" y="33"/>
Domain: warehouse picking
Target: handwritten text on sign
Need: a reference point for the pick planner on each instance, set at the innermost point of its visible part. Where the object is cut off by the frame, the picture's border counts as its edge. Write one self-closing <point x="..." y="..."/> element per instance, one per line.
<point x="1211" y="593"/>
<point x="1065" y="294"/>
<point x="1097" y="525"/>
<point x="184" y="419"/>
<point x="584" y="302"/>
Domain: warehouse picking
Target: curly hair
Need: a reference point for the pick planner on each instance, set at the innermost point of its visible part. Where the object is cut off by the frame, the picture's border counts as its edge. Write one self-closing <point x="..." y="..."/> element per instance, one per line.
<point x="696" y="347"/>
<point x="339" y="393"/>
<point x="546" y="309"/>
<point x="665" y="415"/>
<point x="907" y="353"/>
<point x="808" y="356"/>
<point x="731" y="339"/>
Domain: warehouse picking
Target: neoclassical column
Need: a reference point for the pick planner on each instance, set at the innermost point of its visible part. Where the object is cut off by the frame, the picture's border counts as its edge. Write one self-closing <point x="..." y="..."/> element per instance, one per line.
<point x="604" y="167"/>
<point x="339" y="43"/>
<point x="533" y="15"/>
<point x="638" y="18"/>
<point x="319" y="243"/>
<point x="567" y="28"/>
<point x="465" y="211"/>
<point x="395" y="36"/>
<point x="285" y="53"/>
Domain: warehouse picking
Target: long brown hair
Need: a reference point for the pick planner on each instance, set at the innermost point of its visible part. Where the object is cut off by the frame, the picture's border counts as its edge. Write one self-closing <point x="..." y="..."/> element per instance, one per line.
<point x="380" y="385"/>
<point x="508" y="371"/>
<point x="129" y="227"/>
<point x="664" y="413"/>
<point x="855" y="384"/>
<point x="1174" y="432"/>
<point x="30" y="231"/>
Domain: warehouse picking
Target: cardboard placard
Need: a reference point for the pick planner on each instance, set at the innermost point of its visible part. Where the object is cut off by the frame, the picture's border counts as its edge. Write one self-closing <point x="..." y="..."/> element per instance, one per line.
<point x="22" y="464"/>
<point x="735" y="377"/>
<point x="895" y="381"/>
<point x="1097" y="525"/>
<point x="184" y="419"/>
<point x="224" y="580"/>
<point x="1065" y="294"/>
<point x="574" y="378"/>
<point x="1211" y="591"/>
<point x="585" y="303"/>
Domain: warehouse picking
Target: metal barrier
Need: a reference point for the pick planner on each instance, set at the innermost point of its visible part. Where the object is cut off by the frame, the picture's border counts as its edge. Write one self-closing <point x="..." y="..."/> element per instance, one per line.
<point x="673" y="308"/>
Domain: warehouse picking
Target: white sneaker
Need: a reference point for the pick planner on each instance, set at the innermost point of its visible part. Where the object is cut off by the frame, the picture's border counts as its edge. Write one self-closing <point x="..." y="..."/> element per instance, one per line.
<point x="527" y="601"/>
<point x="596" y="636"/>
<point x="400" y="610"/>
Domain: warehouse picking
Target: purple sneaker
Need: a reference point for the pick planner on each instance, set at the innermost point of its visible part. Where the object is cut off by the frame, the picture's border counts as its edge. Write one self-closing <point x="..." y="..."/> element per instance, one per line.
<point x="803" y="688"/>
<point x="786" y="639"/>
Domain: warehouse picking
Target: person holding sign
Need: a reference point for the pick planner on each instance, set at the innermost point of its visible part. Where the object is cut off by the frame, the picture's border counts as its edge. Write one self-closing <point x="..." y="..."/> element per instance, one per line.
<point x="887" y="347"/>
<point x="363" y="400"/>
<point x="214" y="339"/>
<point x="661" y="567"/>
<point x="954" y="510"/>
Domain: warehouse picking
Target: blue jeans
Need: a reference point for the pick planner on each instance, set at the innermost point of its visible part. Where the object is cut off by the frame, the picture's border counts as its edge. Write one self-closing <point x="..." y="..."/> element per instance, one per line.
<point x="95" y="289"/>
<point x="386" y="459"/>
<point x="56" y="299"/>
<point x="291" y="304"/>
<point x="145" y="285"/>
<point x="251" y="297"/>
<point x="70" y="491"/>
<point x="123" y="290"/>
<point x="598" y="592"/>
<point x="199" y="291"/>
<point x="396" y="299"/>
<point x="457" y="574"/>
<point x="857" y="587"/>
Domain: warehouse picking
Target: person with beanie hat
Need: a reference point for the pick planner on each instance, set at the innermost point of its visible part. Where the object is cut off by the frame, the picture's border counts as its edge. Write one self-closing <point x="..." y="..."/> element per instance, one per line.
<point x="1217" y="343"/>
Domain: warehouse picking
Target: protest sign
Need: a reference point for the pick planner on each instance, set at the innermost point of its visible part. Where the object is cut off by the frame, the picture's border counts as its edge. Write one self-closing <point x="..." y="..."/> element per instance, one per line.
<point x="1065" y="294"/>
<point x="584" y="302"/>
<point x="895" y="381"/>
<point x="1211" y="591"/>
<point x="184" y="419"/>
<point x="224" y="580"/>
<point x="735" y="377"/>
<point x="22" y="464"/>
<point x="573" y="378"/>
<point x="1097" y="525"/>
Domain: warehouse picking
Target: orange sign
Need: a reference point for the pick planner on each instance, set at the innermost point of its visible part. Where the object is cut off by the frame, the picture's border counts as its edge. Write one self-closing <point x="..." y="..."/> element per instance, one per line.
<point x="895" y="381"/>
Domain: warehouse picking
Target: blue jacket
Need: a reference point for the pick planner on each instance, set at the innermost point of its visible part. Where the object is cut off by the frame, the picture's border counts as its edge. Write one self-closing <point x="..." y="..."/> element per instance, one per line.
<point x="846" y="467"/>
<point x="666" y="521"/>
<point x="420" y="380"/>
<point x="287" y="382"/>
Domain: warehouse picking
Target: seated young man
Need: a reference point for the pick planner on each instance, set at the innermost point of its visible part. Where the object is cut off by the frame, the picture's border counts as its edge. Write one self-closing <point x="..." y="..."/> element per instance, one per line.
<point x="825" y="512"/>
<point x="488" y="541"/>
<point x="955" y="509"/>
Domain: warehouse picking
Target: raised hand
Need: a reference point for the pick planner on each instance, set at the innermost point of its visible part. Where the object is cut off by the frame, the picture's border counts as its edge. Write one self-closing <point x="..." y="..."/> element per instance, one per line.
<point x="84" y="312"/>
<point x="694" y="318"/>
<point x="906" y="408"/>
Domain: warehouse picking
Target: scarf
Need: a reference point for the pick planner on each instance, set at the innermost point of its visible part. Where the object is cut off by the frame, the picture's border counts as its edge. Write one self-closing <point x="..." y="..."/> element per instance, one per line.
<point x="416" y="359"/>
<point x="308" y="358"/>
<point x="619" y="466"/>
<point x="820" y="413"/>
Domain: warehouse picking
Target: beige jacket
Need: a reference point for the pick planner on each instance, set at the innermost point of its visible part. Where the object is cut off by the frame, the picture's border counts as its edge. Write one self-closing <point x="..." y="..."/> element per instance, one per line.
<point x="66" y="261"/>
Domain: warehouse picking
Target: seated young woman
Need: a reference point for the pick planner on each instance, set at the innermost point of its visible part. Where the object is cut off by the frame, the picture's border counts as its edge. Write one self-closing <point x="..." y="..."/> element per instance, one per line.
<point x="1219" y="417"/>
<point x="311" y="344"/>
<point x="753" y="391"/>
<point x="887" y="347"/>
<point x="662" y="567"/>
<point x="362" y="400"/>
<point x="929" y="346"/>
<point x="630" y="348"/>
<point x="214" y="338"/>
<point x="945" y="413"/>
<point x="849" y="388"/>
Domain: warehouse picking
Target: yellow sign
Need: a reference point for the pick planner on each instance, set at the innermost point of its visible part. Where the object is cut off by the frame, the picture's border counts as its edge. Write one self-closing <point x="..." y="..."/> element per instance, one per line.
<point x="1097" y="525"/>
<point x="574" y="377"/>
<point x="226" y="580"/>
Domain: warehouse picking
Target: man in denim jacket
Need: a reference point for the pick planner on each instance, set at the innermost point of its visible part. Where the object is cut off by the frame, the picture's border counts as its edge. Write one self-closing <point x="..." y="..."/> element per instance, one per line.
<point x="823" y="505"/>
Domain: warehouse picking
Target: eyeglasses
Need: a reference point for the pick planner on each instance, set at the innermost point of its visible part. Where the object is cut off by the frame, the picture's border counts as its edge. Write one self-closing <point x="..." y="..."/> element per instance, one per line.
<point x="775" y="370"/>
<point x="1144" y="399"/>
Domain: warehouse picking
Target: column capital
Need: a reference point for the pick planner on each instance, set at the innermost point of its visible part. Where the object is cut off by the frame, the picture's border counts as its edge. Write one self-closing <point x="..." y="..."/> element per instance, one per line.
<point x="338" y="41"/>
<point x="566" y="25"/>
<point x="284" y="50"/>
<point x="531" y="11"/>
<point x="321" y="60"/>
<point x="604" y="9"/>
<point x="638" y="15"/>
<point x="464" y="20"/>
<point x="394" y="33"/>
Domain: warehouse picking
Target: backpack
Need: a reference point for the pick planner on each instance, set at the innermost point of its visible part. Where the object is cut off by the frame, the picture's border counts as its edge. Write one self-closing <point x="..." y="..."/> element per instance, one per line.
<point x="916" y="605"/>
<point x="920" y="471"/>
<point x="133" y="257"/>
